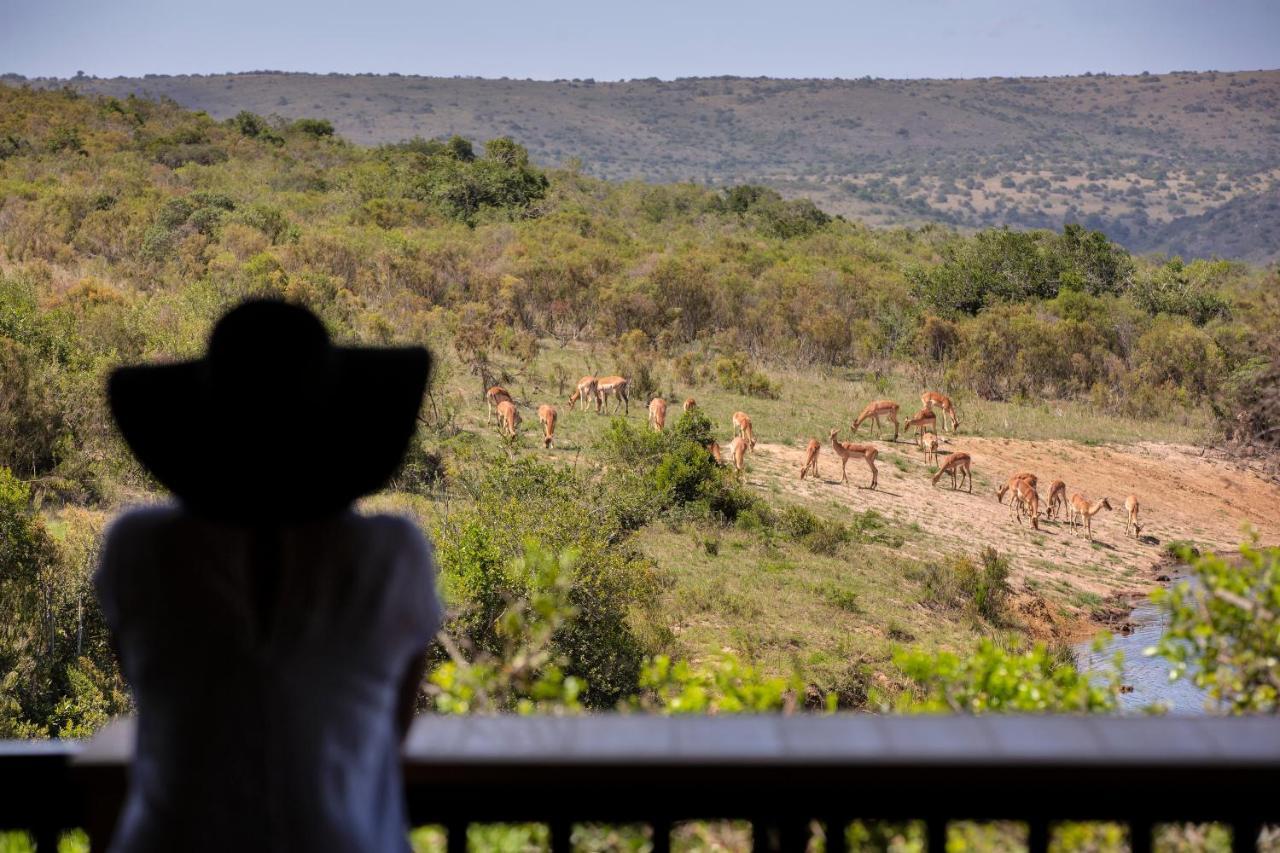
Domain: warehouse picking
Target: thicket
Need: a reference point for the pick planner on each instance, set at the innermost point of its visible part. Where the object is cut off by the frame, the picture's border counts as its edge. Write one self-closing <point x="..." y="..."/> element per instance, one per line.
<point x="127" y="226"/>
<point x="521" y="505"/>
<point x="58" y="676"/>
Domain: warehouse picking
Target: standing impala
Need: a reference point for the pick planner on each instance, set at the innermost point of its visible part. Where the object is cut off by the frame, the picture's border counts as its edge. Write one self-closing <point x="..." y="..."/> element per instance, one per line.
<point x="1082" y="512"/>
<point x="847" y="450"/>
<point x="742" y="427"/>
<point x="929" y="442"/>
<point x="877" y="410"/>
<point x="1131" y="524"/>
<point x="924" y="421"/>
<point x="617" y="386"/>
<point x="494" y="397"/>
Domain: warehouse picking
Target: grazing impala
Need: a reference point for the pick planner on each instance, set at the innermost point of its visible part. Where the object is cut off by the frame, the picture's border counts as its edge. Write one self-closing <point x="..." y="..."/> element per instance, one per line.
<point x="811" y="458"/>
<point x="586" y="392"/>
<point x="877" y="410"/>
<point x="658" y="413"/>
<point x="508" y="418"/>
<point x="1008" y="484"/>
<point x="617" y="386"/>
<point x="1057" y="499"/>
<point x="547" y="417"/>
<point x="690" y="404"/>
<point x="1131" y="512"/>
<point x="713" y="447"/>
<point x="924" y="421"/>
<point x="1083" y="512"/>
<point x="847" y="450"/>
<point x="929" y="399"/>
<point x="956" y="463"/>
<point x="493" y="397"/>
<point x="742" y="427"/>
<point x="1026" y="499"/>
<point x="739" y="447"/>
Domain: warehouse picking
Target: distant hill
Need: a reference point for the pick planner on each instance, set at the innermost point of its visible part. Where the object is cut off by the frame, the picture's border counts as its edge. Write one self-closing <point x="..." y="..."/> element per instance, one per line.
<point x="1186" y="162"/>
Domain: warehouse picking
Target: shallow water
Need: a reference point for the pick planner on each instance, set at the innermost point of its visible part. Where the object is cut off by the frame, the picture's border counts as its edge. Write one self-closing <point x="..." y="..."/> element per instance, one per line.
<point x="1148" y="676"/>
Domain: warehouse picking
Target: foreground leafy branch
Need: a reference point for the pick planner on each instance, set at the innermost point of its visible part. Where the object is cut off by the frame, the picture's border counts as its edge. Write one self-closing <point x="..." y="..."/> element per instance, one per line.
<point x="1224" y="628"/>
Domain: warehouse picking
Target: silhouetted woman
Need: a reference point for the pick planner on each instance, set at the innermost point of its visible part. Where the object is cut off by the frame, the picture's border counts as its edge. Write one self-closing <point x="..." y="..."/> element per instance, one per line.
<point x="273" y="637"/>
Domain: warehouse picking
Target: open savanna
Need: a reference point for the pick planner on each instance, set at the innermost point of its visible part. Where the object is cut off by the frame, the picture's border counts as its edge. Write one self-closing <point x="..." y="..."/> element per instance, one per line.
<point x="128" y="226"/>
<point x="835" y="618"/>
<point x="1142" y="156"/>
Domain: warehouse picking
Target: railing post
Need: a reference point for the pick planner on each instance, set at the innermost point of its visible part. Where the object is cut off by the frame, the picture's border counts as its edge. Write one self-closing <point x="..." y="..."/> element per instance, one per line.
<point x="1140" y="836"/>
<point x="779" y="836"/>
<point x="457" y="837"/>
<point x="46" y="838"/>
<point x="661" y="836"/>
<point x="1038" y="835"/>
<point x="837" y="840"/>
<point x="1244" y="836"/>
<point x="936" y="833"/>
<point x="764" y="836"/>
<point x="561" y="836"/>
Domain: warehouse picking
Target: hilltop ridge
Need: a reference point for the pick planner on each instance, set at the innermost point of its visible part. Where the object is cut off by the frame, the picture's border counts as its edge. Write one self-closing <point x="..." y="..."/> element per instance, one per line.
<point x="1184" y="163"/>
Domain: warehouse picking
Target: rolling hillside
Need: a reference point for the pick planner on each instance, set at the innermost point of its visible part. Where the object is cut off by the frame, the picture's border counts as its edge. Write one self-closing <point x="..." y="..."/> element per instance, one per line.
<point x="1183" y="163"/>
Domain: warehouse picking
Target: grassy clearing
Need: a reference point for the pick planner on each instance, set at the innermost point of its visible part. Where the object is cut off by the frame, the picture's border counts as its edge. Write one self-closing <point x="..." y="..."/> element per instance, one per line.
<point x="835" y="616"/>
<point x="810" y="405"/>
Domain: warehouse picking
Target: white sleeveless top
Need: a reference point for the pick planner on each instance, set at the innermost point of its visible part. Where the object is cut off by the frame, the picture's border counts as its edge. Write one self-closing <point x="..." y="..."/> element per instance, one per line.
<point x="266" y="735"/>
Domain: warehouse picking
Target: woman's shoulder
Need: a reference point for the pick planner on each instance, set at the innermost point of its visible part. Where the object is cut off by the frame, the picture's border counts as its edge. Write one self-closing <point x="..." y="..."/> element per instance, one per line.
<point x="396" y="532"/>
<point x="143" y="520"/>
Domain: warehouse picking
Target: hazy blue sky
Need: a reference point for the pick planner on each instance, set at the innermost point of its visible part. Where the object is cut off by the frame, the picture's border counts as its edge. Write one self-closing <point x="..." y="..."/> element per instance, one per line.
<point x="609" y="40"/>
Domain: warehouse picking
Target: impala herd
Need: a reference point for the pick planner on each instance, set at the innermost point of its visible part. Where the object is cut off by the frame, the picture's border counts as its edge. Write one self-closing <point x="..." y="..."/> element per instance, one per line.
<point x="1024" y="500"/>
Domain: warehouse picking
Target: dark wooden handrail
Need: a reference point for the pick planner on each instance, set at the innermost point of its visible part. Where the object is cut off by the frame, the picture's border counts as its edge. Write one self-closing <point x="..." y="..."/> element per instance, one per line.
<point x="778" y="772"/>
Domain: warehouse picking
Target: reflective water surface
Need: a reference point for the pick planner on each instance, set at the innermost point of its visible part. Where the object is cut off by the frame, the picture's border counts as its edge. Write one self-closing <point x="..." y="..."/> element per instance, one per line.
<point x="1148" y="676"/>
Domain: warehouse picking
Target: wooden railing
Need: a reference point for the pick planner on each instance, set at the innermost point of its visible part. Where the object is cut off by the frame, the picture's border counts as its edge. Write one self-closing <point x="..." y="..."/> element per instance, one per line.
<point x="780" y="773"/>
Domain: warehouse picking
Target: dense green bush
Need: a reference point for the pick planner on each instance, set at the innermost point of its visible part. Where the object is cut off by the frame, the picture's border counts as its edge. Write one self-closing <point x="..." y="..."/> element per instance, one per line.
<point x="57" y="673"/>
<point x="519" y="502"/>
<point x="733" y="373"/>
<point x="980" y="588"/>
<point x="315" y="127"/>
<point x="676" y="468"/>
<point x="1000" y="265"/>
<point x="993" y="679"/>
<point x="1188" y="290"/>
<point x="1224" y="630"/>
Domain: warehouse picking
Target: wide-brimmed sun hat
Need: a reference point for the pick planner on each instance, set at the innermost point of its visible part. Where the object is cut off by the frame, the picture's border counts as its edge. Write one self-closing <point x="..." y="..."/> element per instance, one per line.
<point x="275" y="423"/>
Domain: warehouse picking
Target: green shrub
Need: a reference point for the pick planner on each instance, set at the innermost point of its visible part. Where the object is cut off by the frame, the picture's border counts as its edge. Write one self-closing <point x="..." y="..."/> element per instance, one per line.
<point x="522" y="503"/>
<point x="524" y="671"/>
<point x="734" y="374"/>
<point x="318" y="128"/>
<point x="679" y="471"/>
<point x="1189" y="290"/>
<point x="722" y="686"/>
<point x="961" y="584"/>
<point x="1224" y="631"/>
<point x="816" y="534"/>
<point x="990" y="679"/>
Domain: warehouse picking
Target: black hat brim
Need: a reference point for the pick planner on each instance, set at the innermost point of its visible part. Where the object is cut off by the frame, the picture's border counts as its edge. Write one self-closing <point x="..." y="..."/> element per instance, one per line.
<point x="264" y="472"/>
